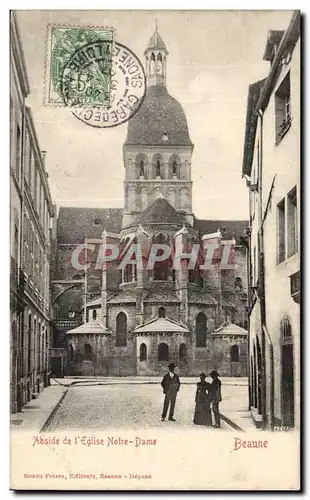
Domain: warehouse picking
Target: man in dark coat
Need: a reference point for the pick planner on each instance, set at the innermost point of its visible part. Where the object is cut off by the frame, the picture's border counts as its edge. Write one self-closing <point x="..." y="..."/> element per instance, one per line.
<point x="171" y="385"/>
<point x="215" y="396"/>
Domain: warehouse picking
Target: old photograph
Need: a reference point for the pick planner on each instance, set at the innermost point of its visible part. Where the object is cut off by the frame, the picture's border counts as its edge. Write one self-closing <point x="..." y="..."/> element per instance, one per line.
<point x="155" y="249"/>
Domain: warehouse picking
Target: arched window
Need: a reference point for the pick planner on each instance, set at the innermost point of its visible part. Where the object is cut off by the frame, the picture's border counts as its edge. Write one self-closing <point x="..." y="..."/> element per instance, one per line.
<point x="161" y="268"/>
<point x="152" y="64"/>
<point x="201" y="330"/>
<point x="158" y="174"/>
<point x="121" y="329"/>
<point x="94" y="314"/>
<point x="183" y="352"/>
<point x="70" y="352"/>
<point x="238" y="284"/>
<point x="174" y="168"/>
<point x="143" y="352"/>
<point x="88" y="352"/>
<point x="159" y="57"/>
<point x="141" y="168"/>
<point x="193" y="276"/>
<point x="234" y="354"/>
<point x="161" y="312"/>
<point x="163" y="352"/>
<point x="286" y="330"/>
<point x="128" y="274"/>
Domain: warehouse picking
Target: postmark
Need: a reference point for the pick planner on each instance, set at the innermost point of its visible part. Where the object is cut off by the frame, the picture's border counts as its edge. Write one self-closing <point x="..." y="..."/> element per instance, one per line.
<point x="101" y="81"/>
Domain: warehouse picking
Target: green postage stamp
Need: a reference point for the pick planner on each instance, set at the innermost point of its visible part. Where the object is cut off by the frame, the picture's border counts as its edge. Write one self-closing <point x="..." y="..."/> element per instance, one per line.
<point x="94" y="83"/>
<point x="102" y="82"/>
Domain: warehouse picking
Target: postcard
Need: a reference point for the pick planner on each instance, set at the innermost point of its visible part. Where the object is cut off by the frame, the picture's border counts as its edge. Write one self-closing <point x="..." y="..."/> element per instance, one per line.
<point x="155" y="250"/>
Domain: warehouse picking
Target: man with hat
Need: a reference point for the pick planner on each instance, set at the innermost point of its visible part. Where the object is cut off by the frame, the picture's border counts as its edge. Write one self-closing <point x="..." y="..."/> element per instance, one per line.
<point x="215" y="396"/>
<point x="171" y="385"/>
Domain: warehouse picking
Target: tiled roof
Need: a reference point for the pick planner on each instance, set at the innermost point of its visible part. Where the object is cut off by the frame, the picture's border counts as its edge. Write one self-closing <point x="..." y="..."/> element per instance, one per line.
<point x="161" y="292"/>
<point x="94" y="302"/>
<point x="159" y="113"/>
<point x="160" y="211"/>
<point x="123" y="297"/>
<point x="229" y="228"/>
<point x="230" y="329"/>
<point x="74" y="223"/>
<point x="227" y="303"/>
<point x="161" y="325"/>
<point x="91" y="328"/>
<point x="200" y="297"/>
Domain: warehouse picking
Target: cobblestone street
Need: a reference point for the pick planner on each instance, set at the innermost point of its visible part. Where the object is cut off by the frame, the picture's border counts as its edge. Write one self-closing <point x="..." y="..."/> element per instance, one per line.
<point x="135" y="406"/>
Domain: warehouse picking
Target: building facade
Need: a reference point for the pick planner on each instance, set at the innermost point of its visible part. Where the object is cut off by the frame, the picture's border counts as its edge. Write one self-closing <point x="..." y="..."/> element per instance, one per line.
<point x="271" y="167"/>
<point x="30" y="213"/>
<point x="134" y="320"/>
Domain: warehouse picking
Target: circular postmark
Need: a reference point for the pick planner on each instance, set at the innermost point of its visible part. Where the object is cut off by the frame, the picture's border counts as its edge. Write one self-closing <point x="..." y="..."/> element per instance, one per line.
<point x="103" y="83"/>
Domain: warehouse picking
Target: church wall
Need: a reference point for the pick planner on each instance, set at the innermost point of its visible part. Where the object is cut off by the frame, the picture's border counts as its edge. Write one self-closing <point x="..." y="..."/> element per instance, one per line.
<point x="99" y="364"/>
<point x="152" y="366"/>
<point x="122" y="359"/>
<point x="221" y="356"/>
<point x="141" y="191"/>
<point x="172" y="311"/>
<point x="231" y="290"/>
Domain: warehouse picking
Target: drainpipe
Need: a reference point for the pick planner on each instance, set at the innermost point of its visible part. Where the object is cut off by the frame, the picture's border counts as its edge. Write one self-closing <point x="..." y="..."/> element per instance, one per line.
<point x="262" y="269"/>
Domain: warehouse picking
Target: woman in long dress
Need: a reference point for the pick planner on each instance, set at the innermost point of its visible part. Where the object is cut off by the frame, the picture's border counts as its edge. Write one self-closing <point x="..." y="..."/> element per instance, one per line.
<point x="202" y="414"/>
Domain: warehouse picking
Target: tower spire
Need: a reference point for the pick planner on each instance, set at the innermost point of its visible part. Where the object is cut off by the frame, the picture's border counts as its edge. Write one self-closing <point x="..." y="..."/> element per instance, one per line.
<point x="155" y="55"/>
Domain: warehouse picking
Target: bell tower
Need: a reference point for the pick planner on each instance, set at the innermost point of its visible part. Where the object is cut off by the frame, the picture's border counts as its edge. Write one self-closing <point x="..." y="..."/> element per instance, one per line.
<point x="158" y="150"/>
<point x="155" y="60"/>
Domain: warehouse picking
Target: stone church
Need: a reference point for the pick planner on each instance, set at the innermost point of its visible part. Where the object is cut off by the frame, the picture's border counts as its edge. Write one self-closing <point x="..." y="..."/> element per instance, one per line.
<point x="134" y="321"/>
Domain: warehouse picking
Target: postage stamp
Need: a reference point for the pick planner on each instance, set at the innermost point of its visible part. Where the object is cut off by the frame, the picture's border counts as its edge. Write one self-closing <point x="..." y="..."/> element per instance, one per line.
<point x="101" y="81"/>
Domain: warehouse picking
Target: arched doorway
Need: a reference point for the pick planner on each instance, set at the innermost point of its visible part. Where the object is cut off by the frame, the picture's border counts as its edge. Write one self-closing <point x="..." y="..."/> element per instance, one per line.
<point x="70" y="352"/>
<point x="88" y="352"/>
<point x="287" y="373"/>
<point x="251" y="385"/>
<point x="143" y="352"/>
<point x="183" y="358"/>
<point x="201" y="330"/>
<point x="183" y="353"/>
<point x="163" y="352"/>
<point x="259" y="378"/>
<point x="255" y="378"/>
<point x="121" y="330"/>
<point x="234" y="354"/>
<point x="234" y="361"/>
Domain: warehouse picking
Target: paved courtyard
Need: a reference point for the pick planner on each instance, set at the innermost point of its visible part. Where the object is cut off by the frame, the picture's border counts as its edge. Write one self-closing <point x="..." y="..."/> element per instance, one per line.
<point x="132" y="406"/>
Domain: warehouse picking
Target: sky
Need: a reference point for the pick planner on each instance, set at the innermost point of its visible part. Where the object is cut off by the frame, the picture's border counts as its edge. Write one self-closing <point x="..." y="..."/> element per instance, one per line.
<point x="213" y="57"/>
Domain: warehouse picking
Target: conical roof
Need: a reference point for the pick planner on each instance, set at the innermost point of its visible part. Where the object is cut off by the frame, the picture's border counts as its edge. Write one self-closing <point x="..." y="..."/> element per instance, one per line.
<point x="91" y="328"/>
<point x="159" y="212"/>
<point x="158" y="325"/>
<point x="230" y="329"/>
<point x="156" y="43"/>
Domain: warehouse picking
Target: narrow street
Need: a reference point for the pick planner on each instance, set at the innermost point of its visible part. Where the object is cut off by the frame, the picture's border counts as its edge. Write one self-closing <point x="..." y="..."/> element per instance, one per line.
<point x="133" y="406"/>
